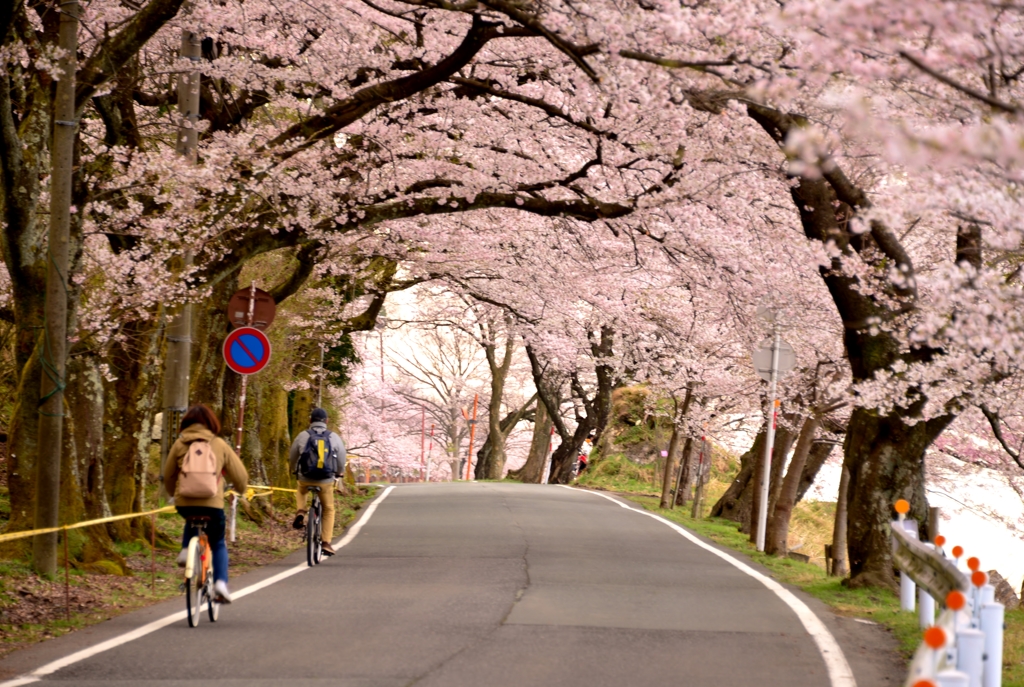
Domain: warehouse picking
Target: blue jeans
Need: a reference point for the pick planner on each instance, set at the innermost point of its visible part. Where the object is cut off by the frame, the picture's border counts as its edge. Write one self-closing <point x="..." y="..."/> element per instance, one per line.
<point x="214" y="532"/>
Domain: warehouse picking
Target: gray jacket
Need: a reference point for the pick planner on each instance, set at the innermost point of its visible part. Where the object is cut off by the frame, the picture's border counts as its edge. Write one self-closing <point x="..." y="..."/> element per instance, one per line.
<point x="299" y="445"/>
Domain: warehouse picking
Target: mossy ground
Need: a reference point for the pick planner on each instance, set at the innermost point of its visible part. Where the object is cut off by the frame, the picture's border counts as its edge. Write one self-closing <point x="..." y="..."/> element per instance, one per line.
<point x="811" y="527"/>
<point x="33" y="609"/>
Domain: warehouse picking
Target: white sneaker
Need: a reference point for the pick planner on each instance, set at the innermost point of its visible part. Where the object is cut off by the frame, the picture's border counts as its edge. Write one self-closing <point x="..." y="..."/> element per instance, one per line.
<point x="182" y="557"/>
<point x="220" y="590"/>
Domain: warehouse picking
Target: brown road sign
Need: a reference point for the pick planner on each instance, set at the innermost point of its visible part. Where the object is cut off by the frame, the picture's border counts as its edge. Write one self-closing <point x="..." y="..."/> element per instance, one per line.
<point x="262" y="312"/>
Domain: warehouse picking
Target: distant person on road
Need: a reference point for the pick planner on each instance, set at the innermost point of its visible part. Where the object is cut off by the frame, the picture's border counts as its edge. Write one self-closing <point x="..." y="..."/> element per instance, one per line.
<point x="317" y="457"/>
<point x="194" y="473"/>
<point x="585" y="449"/>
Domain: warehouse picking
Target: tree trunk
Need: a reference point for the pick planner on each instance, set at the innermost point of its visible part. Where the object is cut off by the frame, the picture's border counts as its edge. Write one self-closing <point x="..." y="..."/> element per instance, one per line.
<point x="302" y="406"/>
<point x="209" y="327"/>
<point x="783" y="440"/>
<point x="23" y="161"/>
<point x="83" y="493"/>
<point x="598" y="408"/>
<point x="776" y="538"/>
<point x="820" y="452"/>
<point x="21" y="446"/>
<point x="670" y="480"/>
<point x="504" y="428"/>
<point x="884" y="454"/>
<point x="275" y="437"/>
<point x="735" y="504"/>
<point x="671" y="463"/>
<point x="532" y="470"/>
<point x="686" y="473"/>
<point x="885" y="457"/>
<point x="840" y="557"/>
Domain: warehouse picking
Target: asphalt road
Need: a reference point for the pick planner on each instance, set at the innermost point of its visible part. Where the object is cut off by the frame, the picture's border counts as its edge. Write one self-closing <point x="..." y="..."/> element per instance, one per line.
<point x="470" y="585"/>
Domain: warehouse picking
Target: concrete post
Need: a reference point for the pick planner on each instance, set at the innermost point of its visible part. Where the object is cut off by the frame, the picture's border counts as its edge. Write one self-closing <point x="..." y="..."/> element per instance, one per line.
<point x="55" y="334"/>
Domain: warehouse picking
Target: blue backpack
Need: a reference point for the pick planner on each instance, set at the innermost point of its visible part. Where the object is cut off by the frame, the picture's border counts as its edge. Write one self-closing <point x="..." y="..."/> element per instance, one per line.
<point x="319" y="460"/>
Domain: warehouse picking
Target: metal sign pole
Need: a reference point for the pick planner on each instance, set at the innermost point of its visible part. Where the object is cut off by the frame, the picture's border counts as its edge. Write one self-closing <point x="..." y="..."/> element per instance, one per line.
<point x="769" y="444"/>
<point x="245" y="378"/>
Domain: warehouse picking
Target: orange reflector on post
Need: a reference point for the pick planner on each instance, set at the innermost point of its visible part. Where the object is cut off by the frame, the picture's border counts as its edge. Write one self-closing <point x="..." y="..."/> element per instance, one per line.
<point x="956" y="600"/>
<point x="958" y="551"/>
<point x="979" y="578"/>
<point x="925" y="683"/>
<point x="935" y="637"/>
<point x="940" y="540"/>
<point x="902" y="506"/>
<point x="973" y="563"/>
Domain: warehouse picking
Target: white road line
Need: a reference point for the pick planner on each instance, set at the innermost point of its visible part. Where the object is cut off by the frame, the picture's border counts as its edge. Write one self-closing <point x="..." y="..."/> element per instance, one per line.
<point x="54" y="666"/>
<point x="839" y="671"/>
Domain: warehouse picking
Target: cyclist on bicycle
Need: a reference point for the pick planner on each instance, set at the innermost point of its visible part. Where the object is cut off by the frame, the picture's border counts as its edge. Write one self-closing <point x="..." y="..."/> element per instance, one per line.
<point x="207" y="459"/>
<point x="317" y="457"/>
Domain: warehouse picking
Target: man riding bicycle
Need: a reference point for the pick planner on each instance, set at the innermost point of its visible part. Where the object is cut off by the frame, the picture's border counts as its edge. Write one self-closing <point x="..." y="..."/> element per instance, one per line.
<point x="317" y="457"/>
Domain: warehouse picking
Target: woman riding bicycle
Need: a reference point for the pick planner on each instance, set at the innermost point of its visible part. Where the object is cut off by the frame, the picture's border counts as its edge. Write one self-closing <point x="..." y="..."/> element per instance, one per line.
<point x="199" y="433"/>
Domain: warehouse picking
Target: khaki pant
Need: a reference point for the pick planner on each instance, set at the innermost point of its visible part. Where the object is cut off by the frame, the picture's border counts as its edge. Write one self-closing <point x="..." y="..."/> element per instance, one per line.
<point x="327" y="499"/>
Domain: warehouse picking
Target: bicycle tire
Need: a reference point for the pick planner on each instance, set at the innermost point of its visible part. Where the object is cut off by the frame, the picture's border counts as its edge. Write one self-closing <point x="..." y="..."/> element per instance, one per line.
<point x="212" y="607"/>
<point x="313" y="533"/>
<point x="193" y="602"/>
<point x="318" y="533"/>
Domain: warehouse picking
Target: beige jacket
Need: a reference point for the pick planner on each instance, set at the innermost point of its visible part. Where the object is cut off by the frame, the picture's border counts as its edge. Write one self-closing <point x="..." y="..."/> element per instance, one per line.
<point x="228" y="463"/>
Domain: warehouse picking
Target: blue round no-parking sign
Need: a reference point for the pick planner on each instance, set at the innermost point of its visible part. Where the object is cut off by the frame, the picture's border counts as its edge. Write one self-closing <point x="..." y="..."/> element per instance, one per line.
<point x="247" y="350"/>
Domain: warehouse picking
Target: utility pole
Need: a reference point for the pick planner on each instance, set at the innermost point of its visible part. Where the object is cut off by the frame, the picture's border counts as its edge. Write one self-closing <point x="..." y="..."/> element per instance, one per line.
<point x="430" y="451"/>
<point x="320" y="388"/>
<point x="547" y="457"/>
<point x="472" y="433"/>
<point x="55" y="334"/>
<point x="423" y="441"/>
<point x="179" y="331"/>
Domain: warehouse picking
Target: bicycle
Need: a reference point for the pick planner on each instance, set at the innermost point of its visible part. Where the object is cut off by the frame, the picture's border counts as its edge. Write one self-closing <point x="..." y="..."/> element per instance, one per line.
<point x="314" y="550"/>
<point x="198" y="584"/>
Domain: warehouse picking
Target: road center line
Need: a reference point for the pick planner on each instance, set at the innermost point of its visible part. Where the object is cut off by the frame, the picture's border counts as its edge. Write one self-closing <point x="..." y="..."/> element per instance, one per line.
<point x="839" y="672"/>
<point x="54" y="666"/>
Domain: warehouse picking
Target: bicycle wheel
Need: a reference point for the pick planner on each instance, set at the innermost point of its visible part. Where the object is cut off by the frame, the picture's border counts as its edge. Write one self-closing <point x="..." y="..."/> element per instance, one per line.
<point x="193" y="592"/>
<point x="212" y="607"/>
<point x="318" y="533"/>
<point x="313" y="533"/>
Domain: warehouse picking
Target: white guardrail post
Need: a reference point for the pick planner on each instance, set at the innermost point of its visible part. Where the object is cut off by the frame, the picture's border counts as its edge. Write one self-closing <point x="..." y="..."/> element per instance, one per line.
<point x="963" y="647"/>
<point x="992" y="616"/>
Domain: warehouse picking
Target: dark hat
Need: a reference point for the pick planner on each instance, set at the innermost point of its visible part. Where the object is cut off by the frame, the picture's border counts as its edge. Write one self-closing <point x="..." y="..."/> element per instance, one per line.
<point x="318" y="415"/>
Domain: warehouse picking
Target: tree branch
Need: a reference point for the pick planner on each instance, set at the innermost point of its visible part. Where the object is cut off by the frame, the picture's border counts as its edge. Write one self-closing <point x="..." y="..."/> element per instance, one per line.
<point x="575" y="53"/>
<point x="363" y="101"/>
<point x="306" y="257"/>
<point x="997" y="431"/>
<point x="966" y="90"/>
<point x="119" y="49"/>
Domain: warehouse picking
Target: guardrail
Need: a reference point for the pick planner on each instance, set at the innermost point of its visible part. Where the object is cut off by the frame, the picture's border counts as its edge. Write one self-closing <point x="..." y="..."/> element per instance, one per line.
<point x="964" y="646"/>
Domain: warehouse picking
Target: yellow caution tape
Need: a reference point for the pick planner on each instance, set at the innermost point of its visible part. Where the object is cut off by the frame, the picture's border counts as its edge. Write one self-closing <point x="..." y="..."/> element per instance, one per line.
<point x="86" y="523"/>
<point x="251" y="492"/>
<point x="10" y="536"/>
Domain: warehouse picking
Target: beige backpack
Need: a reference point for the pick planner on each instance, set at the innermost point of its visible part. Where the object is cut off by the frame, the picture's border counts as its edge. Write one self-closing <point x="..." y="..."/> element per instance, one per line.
<point x="199" y="478"/>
